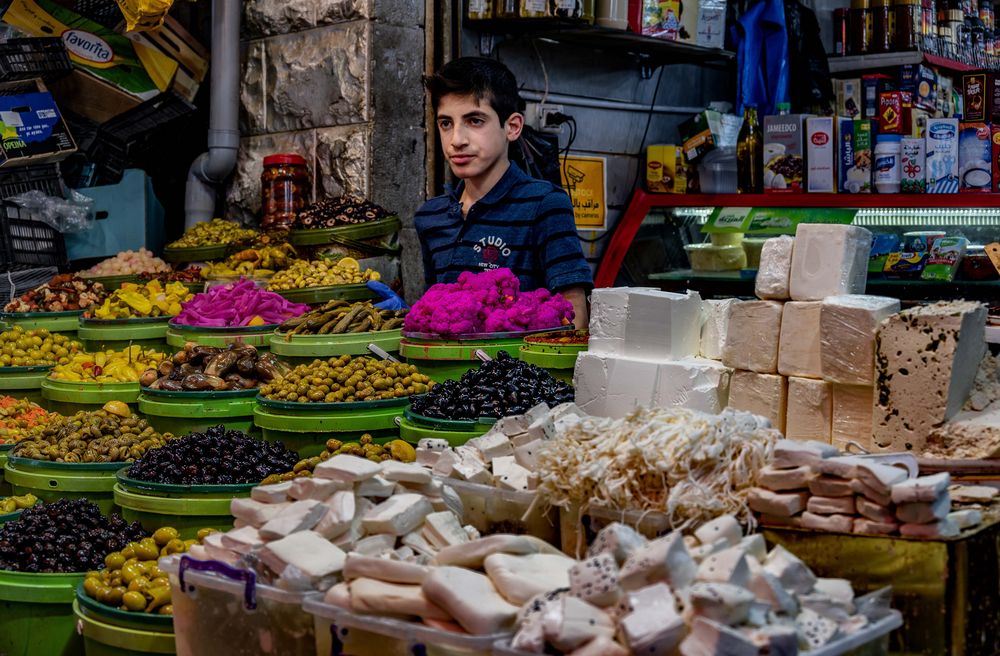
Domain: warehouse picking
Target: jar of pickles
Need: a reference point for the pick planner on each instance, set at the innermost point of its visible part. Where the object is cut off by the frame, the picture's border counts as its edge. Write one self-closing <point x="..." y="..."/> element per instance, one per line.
<point x="284" y="190"/>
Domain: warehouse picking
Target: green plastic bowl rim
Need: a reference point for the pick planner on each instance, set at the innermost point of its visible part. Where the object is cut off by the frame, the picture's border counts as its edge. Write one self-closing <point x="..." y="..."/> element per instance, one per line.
<point x="9" y="371"/>
<point x="9" y="517"/>
<point x="220" y="395"/>
<point x="121" y="276"/>
<point x="311" y="407"/>
<point x="323" y="288"/>
<point x="473" y="337"/>
<point x="67" y="467"/>
<point x="7" y="447"/>
<point x="266" y="328"/>
<point x="305" y="339"/>
<point x="14" y="316"/>
<point x="448" y="424"/>
<point x="110" y="612"/>
<point x="123" y="323"/>
<point x="55" y="383"/>
<point x="136" y="486"/>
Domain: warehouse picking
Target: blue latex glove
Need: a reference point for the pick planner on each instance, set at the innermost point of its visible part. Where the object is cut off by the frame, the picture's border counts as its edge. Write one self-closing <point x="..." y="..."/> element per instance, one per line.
<point x="393" y="301"/>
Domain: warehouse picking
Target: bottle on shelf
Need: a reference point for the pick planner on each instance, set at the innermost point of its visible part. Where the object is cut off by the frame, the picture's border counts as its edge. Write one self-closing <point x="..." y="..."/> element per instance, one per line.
<point x="883" y="22"/>
<point x="840" y="39"/>
<point x="750" y="154"/>
<point x="479" y="10"/>
<point x="860" y="27"/>
<point x="534" y="9"/>
<point x="507" y="9"/>
<point x="909" y="24"/>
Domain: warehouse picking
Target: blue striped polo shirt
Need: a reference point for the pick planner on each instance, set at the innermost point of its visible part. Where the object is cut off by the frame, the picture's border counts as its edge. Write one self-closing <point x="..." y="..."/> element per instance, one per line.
<point x="523" y="224"/>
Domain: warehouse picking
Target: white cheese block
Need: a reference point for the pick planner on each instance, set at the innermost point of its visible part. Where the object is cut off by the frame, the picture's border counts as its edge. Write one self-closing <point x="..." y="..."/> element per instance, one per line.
<point x="255" y="513"/>
<point x="926" y="364"/>
<point x="445" y="465"/>
<point x="790" y="453"/>
<point x="530" y="637"/>
<point x="347" y="539"/>
<point x="775" y="268"/>
<point x="753" y="337"/>
<point x="693" y="383"/>
<point x="651" y="627"/>
<point x="726" y="566"/>
<point x="755" y="547"/>
<point x="470" y="598"/>
<point x="427" y="457"/>
<point x="782" y="480"/>
<point x="519" y="578"/>
<point x="966" y="518"/>
<point x="241" y="540"/>
<point x="277" y="493"/>
<point x="835" y="523"/>
<point x="762" y="394"/>
<point x="879" y="496"/>
<point x="449" y="500"/>
<point x="397" y="515"/>
<point x="831" y="505"/>
<point x="300" y="516"/>
<point x="617" y="539"/>
<point x="472" y="554"/>
<point x="924" y="513"/>
<point x="946" y="528"/>
<point x="663" y="325"/>
<point x="543" y="428"/>
<point x="708" y="638"/>
<point x="798" y="346"/>
<point x="600" y="646"/>
<point x="839" y="590"/>
<point x="793" y="574"/>
<point x="852" y="415"/>
<point x="570" y="623"/>
<point x="767" y="589"/>
<point x="383" y="598"/>
<point x="664" y="559"/>
<point x="404" y="472"/>
<point x="493" y="444"/>
<point x="430" y="490"/>
<point x="309" y="552"/>
<point x="715" y="327"/>
<point x="526" y="455"/>
<point x="847" y="336"/>
<point x="922" y="488"/>
<point x="433" y="444"/>
<point x="472" y="470"/>
<point x="609" y="312"/>
<point x="513" y="477"/>
<point x="349" y="469"/>
<point x="725" y="527"/>
<point x="215" y="551"/>
<point x="420" y="544"/>
<point x="809" y="409"/>
<point x="566" y="409"/>
<point x="357" y="566"/>
<point x="780" y="504"/>
<point x="595" y="580"/>
<point x="874" y="512"/>
<point x="309" y="487"/>
<point x="632" y="384"/>
<point x="814" y="629"/>
<point x="590" y="381"/>
<point x="442" y="529"/>
<point x="376" y="545"/>
<point x="722" y="602"/>
<point x="829" y="260"/>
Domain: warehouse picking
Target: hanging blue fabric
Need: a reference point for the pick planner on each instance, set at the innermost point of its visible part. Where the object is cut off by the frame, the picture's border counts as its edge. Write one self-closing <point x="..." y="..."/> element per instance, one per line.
<point x="762" y="57"/>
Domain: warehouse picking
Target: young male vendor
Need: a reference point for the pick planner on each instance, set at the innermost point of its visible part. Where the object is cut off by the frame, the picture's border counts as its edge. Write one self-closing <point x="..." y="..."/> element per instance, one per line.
<point x="497" y="216"/>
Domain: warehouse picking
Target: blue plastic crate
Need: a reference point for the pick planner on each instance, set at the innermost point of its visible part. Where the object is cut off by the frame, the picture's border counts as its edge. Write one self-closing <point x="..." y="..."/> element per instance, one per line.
<point x="129" y="217"/>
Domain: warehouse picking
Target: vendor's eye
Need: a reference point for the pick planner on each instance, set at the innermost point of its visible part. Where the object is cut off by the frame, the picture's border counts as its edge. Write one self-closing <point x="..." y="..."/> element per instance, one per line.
<point x="476" y="121"/>
<point x="444" y="124"/>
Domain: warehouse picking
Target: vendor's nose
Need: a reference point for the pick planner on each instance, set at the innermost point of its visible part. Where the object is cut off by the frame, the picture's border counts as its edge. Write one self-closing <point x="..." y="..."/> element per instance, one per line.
<point x="459" y="137"/>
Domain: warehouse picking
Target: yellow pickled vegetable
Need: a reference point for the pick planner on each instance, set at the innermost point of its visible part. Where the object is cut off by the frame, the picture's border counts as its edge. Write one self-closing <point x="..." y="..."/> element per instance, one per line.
<point x="151" y="299"/>
<point x="123" y="366"/>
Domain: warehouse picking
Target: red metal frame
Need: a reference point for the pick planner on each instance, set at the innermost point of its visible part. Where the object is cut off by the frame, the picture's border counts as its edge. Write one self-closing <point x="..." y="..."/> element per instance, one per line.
<point x="642" y="202"/>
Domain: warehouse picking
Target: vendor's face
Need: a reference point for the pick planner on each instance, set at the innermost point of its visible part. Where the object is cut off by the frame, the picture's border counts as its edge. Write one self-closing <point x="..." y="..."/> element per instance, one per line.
<point x="473" y="139"/>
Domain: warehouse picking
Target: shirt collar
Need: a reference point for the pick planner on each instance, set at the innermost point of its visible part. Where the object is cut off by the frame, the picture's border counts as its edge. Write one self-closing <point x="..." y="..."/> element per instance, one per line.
<point x="510" y="178"/>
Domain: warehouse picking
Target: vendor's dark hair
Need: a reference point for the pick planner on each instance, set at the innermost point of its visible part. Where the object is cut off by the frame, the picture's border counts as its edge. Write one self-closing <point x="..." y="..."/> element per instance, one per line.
<point x="482" y="78"/>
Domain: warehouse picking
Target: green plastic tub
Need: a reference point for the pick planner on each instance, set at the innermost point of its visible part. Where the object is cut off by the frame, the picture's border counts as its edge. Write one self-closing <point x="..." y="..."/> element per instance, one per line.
<point x="314" y="295"/>
<point x="111" y="283"/>
<point x="346" y="233"/>
<point x="195" y="253"/>
<point x="305" y="427"/>
<point x="181" y="413"/>
<point x="118" y="334"/>
<point x="24" y="382"/>
<point x="187" y="508"/>
<point x="5" y="488"/>
<point x="560" y="361"/>
<point x="56" y="322"/>
<point x="36" y="614"/>
<point x="443" y="360"/>
<point x="105" y="637"/>
<point x="306" y="348"/>
<point x="68" y="398"/>
<point x="414" y="427"/>
<point x="178" y="335"/>
<point x="51" y="481"/>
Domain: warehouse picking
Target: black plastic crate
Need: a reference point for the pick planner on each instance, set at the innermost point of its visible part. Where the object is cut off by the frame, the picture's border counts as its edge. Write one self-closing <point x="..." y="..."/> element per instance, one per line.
<point x="44" y="57"/>
<point x="20" y="179"/>
<point x="136" y="131"/>
<point x="26" y="243"/>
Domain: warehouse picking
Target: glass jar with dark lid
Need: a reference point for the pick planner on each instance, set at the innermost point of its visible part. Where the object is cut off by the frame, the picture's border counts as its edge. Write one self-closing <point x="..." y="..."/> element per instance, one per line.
<point x="859" y="20"/>
<point x="909" y="24"/>
<point x="284" y="190"/>
<point x="883" y="26"/>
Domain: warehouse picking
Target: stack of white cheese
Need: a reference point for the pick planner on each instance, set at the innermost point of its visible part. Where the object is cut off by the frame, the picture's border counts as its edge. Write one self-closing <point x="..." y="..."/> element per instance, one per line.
<point x="715" y="593"/>
<point x="301" y="530"/>
<point x="804" y="352"/>
<point x="644" y="352"/>
<point x="809" y="484"/>
<point x="507" y="455"/>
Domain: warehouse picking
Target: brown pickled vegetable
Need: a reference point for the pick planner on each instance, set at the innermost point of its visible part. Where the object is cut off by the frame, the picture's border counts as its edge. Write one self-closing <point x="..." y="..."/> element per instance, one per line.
<point x="344" y="210"/>
<point x="209" y="368"/>
<point x="340" y="317"/>
<point x="347" y="379"/>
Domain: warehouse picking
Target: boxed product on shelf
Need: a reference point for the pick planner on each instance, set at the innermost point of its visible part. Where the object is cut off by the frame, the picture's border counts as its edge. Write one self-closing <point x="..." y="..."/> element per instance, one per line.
<point x="944" y="259"/>
<point x="882" y="246"/>
<point x="942" y="156"/>
<point x="784" y="154"/>
<point x="905" y="264"/>
<point x="873" y="86"/>
<point x="701" y="133"/>
<point x="913" y="174"/>
<point x="711" y="23"/>
<point x="854" y="156"/>
<point x="894" y="112"/>
<point x="33" y="130"/>
<point x="977" y="98"/>
<point x="666" y="171"/>
<point x="821" y="155"/>
<point x="670" y="20"/>
<point x="921" y="81"/>
<point x="849" y="97"/>
<point x="975" y="152"/>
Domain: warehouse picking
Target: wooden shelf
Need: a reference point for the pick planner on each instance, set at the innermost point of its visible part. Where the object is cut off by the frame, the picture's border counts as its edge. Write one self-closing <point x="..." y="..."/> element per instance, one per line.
<point x="893" y="59"/>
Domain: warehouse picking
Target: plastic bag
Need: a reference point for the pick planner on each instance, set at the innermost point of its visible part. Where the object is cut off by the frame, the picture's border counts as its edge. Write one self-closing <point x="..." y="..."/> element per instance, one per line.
<point x="144" y="15"/>
<point x="67" y="215"/>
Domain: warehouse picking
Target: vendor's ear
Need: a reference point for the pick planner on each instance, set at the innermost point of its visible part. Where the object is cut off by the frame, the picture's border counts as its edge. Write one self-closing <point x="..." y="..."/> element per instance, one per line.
<point x="513" y="126"/>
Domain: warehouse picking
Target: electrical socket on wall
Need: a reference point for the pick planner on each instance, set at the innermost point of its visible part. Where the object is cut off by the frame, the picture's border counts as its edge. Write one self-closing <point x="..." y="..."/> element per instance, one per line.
<point x="537" y="116"/>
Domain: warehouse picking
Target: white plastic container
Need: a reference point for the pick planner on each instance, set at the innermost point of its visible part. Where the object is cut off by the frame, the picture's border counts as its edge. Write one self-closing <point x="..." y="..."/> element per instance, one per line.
<point x="219" y="610"/>
<point x="717" y="171"/>
<point x="340" y="632"/>
<point x="577" y="529"/>
<point x="494" y="510"/>
<point x="888" y="163"/>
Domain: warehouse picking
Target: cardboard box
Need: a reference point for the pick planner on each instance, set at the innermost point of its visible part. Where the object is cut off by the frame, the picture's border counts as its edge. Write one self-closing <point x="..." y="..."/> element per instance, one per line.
<point x="700" y="134"/>
<point x="995" y="133"/>
<point x="890" y="112"/>
<point x="671" y="20"/>
<point x="921" y="82"/>
<point x="849" y="97"/>
<point x="173" y="41"/>
<point x="32" y="130"/>
<point x="91" y="97"/>
<point x="872" y="86"/>
<point x="913" y="174"/>
<point x="942" y="156"/>
<point x="711" y="23"/>
<point x="666" y="171"/>
<point x="976" y="97"/>
<point x="821" y="155"/>
<point x="855" y="139"/>
<point x="975" y="155"/>
<point x="784" y="153"/>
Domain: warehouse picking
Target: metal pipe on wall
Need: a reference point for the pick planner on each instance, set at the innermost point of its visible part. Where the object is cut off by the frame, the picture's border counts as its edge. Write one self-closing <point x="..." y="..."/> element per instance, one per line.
<point x="619" y="105"/>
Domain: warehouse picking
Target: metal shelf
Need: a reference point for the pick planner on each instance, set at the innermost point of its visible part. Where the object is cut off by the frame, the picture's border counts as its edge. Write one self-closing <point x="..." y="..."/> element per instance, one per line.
<point x="850" y="201"/>
<point x="892" y="59"/>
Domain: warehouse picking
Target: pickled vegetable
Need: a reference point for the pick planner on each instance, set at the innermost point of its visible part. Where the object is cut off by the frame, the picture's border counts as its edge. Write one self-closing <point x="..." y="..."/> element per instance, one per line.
<point x="64" y="293"/>
<point x="34" y="348"/>
<point x="347" y="379"/>
<point x="128" y="263"/>
<point x="212" y="233"/>
<point x="151" y="299"/>
<point x="321" y="273"/>
<point x="18" y="417"/>
<point x="13" y="504"/>
<point x="125" y="366"/>
<point x="365" y="447"/>
<point x="207" y="368"/>
<point x="340" y="317"/>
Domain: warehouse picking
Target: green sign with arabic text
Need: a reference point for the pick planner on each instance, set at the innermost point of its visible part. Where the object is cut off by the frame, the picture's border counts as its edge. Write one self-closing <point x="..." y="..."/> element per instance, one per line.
<point x="772" y="220"/>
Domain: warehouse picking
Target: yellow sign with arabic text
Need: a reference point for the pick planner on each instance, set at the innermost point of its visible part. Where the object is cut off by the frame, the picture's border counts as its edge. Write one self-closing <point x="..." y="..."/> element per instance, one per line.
<point x="585" y="180"/>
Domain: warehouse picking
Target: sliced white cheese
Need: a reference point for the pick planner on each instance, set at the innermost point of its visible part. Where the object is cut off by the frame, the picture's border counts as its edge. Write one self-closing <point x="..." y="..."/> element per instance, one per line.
<point x="348" y="469"/>
<point x="375" y="545"/>
<point x="617" y="539"/>
<point x="358" y="566"/>
<point x="519" y="578"/>
<point x="339" y="595"/>
<point x="724" y="527"/>
<point x="341" y="508"/>
<point x="708" y="638"/>
<point x="653" y="629"/>
<point x="493" y="444"/>
<point x="721" y="602"/>
<point x="404" y="472"/>
<point x="526" y="455"/>
<point x="276" y="493"/>
<point x="470" y="598"/>
<point x="300" y="516"/>
<point x="727" y="566"/>
<point x="383" y="598"/>
<point x="570" y="623"/>
<point x="793" y="574"/>
<point x="309" y="487"/>
<point x="442" y="529"/>
<point x="397" y="515"/>
<point x="472" y="554"/>
<point x="664" y="559"/>
<point x="241" y="540"/>
<point x="255" y="513"/>
<point x="309" y="552"/>
<point x="446" y="463"/>
<point x="420" y="544"/>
